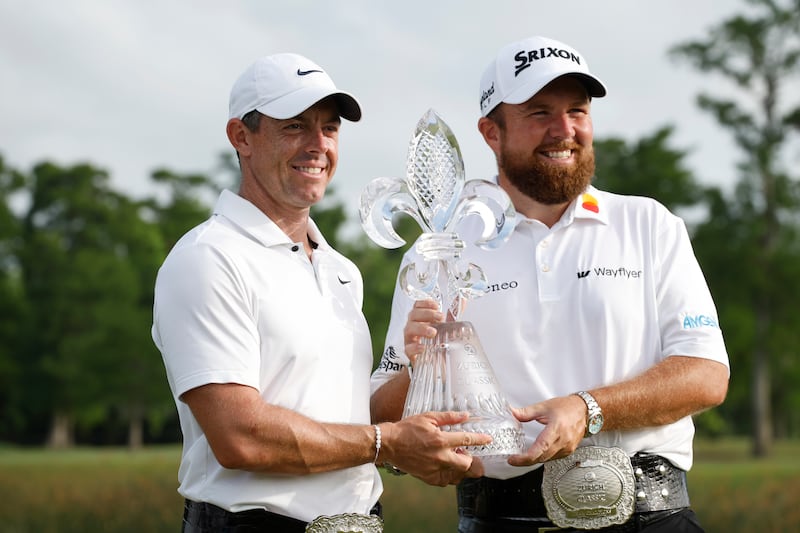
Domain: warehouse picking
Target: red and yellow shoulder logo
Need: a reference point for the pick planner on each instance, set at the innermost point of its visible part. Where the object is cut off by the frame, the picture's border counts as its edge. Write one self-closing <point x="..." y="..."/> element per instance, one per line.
<point x="589" y="203"/>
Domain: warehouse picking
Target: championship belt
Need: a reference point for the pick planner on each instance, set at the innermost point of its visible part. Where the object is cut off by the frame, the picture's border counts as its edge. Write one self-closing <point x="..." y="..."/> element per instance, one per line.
<point x="591" y="489"/>
<point x="346" y="523"/>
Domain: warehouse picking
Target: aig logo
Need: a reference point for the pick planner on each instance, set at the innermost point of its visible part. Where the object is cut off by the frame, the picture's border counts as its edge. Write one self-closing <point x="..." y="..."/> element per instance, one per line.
<point x="698" y="321"/>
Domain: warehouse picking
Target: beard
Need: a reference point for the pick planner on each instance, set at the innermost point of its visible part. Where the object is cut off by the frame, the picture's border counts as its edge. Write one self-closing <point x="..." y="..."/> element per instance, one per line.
<point x="545" y="182"/>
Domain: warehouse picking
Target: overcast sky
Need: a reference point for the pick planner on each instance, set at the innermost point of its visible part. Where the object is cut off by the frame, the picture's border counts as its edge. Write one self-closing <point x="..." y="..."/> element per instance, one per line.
<point x="131" y="86"/>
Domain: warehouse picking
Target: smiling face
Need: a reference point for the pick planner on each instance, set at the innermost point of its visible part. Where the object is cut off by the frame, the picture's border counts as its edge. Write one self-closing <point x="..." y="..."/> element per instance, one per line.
<point x="544" y="145"/>
<point x="287" y="164"/>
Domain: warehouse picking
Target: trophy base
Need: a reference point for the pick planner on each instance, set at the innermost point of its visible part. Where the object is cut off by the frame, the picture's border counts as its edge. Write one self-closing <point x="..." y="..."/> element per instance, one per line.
<point x="507" y="439"/>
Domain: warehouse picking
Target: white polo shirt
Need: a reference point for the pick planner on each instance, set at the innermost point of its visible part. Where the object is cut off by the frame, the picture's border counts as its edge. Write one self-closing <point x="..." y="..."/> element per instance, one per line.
<point x="237" y="302"/>
<point x="607" y="292"/>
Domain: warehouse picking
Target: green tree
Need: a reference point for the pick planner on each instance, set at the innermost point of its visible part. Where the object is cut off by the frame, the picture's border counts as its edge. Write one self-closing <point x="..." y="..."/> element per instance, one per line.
<point x="12" y="304"/>
<point x="184" y="207"/>
<point x="646" y="167"/>
<point x="751" y="236"/>
<point x="87" y="262"/>
<point x="134" y="374"/>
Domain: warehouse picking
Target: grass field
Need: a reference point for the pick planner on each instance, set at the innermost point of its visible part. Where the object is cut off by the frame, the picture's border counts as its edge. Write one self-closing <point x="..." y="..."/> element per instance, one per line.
<point x="115" y="491"/>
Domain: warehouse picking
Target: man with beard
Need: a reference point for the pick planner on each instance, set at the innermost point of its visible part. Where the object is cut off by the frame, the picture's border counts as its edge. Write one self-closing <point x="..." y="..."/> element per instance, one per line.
<point x="597" y="320"/>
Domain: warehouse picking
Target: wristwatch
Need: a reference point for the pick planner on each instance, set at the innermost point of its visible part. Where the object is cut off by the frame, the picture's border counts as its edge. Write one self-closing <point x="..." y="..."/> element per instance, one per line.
<point x="594" y="422"/>
<point x="393" y="469"/>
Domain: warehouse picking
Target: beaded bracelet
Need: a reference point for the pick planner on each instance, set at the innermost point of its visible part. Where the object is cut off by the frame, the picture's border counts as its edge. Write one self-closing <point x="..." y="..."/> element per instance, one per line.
<point x="377" y="442"/>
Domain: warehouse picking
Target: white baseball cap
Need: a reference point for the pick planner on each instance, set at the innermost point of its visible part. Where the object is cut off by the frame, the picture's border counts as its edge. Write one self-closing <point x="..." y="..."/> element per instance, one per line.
<point x="521" y="69"/>
<point x="283" y="86"/>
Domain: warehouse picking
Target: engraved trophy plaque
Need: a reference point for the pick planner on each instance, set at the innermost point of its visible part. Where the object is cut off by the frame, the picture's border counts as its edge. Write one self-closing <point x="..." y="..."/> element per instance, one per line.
<point x="453" y="373"/>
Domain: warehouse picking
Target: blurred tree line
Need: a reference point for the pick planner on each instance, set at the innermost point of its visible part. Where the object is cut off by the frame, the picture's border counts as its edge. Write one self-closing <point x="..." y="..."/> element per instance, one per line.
<point x="78" y="259"/>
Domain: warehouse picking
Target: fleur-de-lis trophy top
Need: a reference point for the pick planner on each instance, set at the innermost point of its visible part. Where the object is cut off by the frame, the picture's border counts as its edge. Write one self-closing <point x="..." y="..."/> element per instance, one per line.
<point x="436" y="195"/>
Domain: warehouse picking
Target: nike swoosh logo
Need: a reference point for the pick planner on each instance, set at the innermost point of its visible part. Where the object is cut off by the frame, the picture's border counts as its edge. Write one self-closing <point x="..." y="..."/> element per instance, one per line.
<point x="305" y="72"/>
<point x="344" y="281"/>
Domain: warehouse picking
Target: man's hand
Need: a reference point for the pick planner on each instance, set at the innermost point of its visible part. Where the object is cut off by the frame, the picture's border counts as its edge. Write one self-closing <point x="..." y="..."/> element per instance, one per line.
<point x="418" y="446"/>
<point x="564" y="419"/>
<point x="422" y="315"/>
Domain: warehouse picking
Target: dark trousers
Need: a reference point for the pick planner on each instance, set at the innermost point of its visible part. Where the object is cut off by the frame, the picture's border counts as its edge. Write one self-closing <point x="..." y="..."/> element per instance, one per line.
<point x="678" y="521"/>
<point x="202" y="517"/>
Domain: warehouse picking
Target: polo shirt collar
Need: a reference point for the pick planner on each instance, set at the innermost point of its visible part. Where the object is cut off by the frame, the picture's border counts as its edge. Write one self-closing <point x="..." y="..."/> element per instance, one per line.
<point x="589" y="205"/>
<point x="253" y="222"/>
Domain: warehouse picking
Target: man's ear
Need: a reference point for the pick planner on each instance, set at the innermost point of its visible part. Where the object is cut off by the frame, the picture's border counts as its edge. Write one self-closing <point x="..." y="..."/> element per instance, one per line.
<point x="490" y="132"/>
<point x="239" y="136"/>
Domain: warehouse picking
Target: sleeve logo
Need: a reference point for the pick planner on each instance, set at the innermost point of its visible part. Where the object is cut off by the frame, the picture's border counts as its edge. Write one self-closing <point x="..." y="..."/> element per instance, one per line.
<point x="698" y="321"/>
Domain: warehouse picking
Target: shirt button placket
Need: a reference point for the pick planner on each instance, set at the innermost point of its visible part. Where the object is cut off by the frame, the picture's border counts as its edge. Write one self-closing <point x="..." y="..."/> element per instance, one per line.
<point x="547" y="289"/>
<point x="544" y="263"/>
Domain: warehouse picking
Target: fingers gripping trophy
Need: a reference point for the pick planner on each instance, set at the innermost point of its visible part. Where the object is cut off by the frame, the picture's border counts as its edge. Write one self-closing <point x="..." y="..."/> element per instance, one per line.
<point x="453" y="372"/>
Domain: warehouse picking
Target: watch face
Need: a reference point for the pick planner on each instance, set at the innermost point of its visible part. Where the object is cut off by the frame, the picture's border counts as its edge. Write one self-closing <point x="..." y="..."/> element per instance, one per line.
<point x="595" y="424"/>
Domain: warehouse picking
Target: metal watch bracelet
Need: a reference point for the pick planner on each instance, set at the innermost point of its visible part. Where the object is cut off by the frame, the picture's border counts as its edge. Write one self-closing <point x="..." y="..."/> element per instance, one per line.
<point x="393" y="469"/>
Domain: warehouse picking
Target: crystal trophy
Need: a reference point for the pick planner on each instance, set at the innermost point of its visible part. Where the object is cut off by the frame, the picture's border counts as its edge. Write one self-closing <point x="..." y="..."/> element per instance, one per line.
<point x="453" y="373"/>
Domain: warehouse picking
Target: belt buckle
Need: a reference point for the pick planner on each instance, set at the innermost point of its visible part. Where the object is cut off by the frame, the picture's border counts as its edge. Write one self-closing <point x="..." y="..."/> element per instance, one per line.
<point x="346" y="523"/>
<point x="591" y="489"/>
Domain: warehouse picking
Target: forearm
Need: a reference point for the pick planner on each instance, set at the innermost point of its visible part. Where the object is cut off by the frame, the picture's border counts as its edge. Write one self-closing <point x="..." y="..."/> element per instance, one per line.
<point x="246" y="433"/>
<point x="298" y="445"/>
<point x="677" y="387"/>
<point x="386" y="404"/>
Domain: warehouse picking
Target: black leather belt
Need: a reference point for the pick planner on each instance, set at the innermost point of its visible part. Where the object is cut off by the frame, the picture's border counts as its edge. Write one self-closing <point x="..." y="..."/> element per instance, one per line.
<point x="203" y="517"/>
<point x="659" y="486"/>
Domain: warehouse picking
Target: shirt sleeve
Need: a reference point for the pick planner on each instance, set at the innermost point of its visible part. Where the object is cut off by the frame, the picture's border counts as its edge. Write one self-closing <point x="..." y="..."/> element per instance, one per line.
<point x="203" y="321"/>
<point x="688" y="318"/>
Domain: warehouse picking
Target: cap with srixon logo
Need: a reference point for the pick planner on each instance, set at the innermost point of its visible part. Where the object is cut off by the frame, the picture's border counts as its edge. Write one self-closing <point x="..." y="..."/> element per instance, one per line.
<point x="283" y="86"/>
<point x="523" y="68"/>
